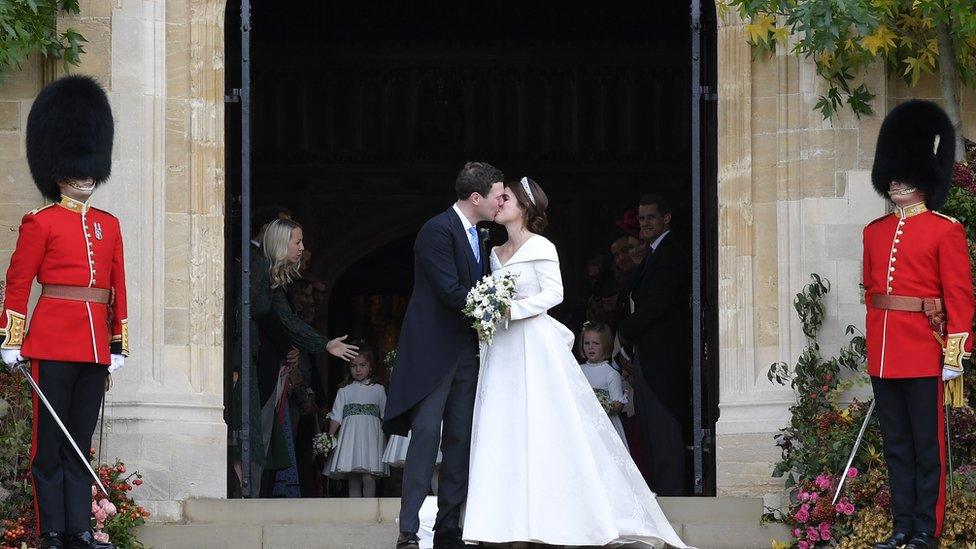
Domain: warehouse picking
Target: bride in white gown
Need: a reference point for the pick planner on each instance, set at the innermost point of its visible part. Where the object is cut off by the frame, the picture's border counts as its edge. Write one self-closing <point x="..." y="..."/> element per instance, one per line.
<point x="546" y="464"/>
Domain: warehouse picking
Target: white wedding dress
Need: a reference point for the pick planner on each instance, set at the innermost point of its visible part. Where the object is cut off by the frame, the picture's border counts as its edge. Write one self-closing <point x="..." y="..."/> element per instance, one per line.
<point x="547" y="465"/>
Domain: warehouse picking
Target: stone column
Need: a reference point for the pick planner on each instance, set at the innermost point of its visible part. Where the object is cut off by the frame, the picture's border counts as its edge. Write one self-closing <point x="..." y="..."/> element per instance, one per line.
<point x="794" y="193"/>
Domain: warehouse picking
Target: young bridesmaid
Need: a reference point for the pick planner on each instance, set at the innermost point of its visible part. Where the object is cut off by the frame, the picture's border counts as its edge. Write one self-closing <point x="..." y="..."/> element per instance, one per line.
<point x="356" y="414"/>
<point x="596" y="344"/>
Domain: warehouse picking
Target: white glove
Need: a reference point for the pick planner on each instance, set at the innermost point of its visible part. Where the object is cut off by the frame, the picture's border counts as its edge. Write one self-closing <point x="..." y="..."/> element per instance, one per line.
<point x="949" y="375"/>
<point x="118" y="361"/>
<point x="11" y="357"/>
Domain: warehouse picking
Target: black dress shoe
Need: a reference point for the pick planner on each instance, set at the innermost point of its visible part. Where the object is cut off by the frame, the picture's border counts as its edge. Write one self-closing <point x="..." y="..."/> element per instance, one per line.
<point x="894" y="542"/>
<point x="85" y="540"/>
<point x="923" y="540"/>
<point x="448" y="538"/>
<point x="51" y="540"/>
<point x="408" y="541"/>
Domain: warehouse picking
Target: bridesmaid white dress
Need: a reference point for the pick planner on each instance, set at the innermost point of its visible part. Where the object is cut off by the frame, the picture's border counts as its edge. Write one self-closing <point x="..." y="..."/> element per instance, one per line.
<point x="358" y="408"/>
<point x="603" y="377"/>
<point x="547" y="465"/>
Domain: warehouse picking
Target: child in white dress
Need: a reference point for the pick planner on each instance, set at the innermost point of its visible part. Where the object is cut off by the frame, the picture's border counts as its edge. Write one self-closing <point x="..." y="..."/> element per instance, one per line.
<point x="395" y="454"/>
<point x="356" y="414"/>
<point x="596" y="344"/>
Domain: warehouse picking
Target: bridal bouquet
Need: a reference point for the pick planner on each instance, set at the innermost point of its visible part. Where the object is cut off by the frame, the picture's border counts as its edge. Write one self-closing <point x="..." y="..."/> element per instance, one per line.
<point x="323" y="443"/>
<point x="605" y="400"/>
<point x="488" y="303"/>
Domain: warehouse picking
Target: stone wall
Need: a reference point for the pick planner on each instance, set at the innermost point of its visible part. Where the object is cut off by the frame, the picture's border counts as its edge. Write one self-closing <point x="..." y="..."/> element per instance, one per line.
<point x="794" y="195"/>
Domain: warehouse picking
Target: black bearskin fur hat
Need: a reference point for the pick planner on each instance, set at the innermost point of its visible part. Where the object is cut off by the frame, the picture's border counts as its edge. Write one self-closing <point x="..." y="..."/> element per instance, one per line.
<point x="69" y="134"/>
<point x="907" y="151"/>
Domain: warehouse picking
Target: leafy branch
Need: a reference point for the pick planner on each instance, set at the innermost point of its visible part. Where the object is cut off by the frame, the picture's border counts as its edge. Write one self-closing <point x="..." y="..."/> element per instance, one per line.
<point x="29" y="26"/>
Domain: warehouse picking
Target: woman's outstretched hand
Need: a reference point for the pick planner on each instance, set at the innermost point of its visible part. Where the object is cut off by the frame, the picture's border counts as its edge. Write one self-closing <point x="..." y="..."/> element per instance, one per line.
<point x="339" y="348"/>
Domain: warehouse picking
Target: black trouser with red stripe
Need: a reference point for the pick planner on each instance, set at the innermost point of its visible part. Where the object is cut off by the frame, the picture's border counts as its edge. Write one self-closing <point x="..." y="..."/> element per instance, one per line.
<point x="913" y="429"/>
<point x="62" y="484"/>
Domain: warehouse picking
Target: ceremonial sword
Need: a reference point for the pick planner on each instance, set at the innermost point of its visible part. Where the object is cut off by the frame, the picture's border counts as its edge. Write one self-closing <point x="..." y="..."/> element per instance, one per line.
<point x="22" y="367"/>
<point x="857" y="444"/>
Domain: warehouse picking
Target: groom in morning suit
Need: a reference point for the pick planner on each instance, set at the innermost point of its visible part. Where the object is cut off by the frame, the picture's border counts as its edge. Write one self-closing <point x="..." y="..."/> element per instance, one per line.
<point x="654" y="317"/>
<point x="436" y="370"/>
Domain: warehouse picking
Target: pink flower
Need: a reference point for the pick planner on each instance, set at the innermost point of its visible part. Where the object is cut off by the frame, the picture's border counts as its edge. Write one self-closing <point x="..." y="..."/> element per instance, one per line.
<point x="822" y="482"/>
<point x="825" y="531"/>
<point x="814" y="497"/>
<point x="95" y="507"/>
<point x="849" y="509"/>
<point x="803" y="496"/>
<point x="852" y="472"/>
<point x="802" y="515"/>
<point x="813" y="534"/>
<point x="100" y="516"/>
<point x="108" y="507"/>
<point x="797" y="533"/>
<point x="803" y="545"/>
<point x="101" y="536"/>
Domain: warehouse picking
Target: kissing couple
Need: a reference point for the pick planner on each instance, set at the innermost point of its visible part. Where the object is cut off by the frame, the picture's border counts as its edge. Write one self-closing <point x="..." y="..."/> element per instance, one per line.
<point x="529" y="453"/>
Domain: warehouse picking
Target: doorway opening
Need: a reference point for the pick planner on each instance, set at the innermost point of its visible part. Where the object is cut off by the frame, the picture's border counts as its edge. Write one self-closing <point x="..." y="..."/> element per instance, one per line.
<point x="363" y="113"/>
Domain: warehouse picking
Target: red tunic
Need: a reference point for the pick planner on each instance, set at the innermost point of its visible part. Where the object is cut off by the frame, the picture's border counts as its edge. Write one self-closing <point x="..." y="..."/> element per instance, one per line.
<point x="923" y="254"/>
<point x="70" y="244"/>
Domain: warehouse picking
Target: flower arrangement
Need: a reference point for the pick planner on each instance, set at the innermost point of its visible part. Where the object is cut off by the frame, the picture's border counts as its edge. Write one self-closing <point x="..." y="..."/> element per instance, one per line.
<point x="604" y="398"/>
<point x="488" y="303"/>
<point x="116" y="516"/>
<point x="323" y="444"/>
<point x="389" y="359"/>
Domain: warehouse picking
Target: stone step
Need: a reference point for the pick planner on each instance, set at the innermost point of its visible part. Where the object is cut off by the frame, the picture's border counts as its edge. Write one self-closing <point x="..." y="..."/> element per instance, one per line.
<point x="342" y="523"/>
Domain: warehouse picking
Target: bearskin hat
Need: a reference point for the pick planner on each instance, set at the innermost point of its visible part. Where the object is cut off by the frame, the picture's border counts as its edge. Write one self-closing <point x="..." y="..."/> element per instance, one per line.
<point x="916" y="145"/>
<point x="69" y="134"/>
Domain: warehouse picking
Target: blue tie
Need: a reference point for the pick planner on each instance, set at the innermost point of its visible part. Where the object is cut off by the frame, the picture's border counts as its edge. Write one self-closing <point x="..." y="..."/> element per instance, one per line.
<point x="473" y="238"/>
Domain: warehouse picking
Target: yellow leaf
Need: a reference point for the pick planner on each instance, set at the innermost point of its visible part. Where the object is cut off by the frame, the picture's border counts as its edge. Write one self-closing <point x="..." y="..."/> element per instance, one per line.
<point x="882" y="39"/>
<point x="780" y="545"/>
<point x="826" y="58"/>
<point x="933" y="45"/>
<point x="781" y="35"/>
<point x="760" y="28"/>
<point x="723" y="9"/>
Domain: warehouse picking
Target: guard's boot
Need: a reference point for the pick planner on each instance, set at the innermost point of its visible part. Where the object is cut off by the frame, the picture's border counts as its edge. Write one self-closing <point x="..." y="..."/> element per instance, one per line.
<point x="51" y="540"/>
<point x="923" y="540"/>
<point x="85" y="540"/>
<point x="896" y="541"/>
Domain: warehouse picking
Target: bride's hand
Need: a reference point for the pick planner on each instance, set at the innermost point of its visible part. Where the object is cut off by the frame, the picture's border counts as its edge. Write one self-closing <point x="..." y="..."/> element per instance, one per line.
<point x="338" y="348"/>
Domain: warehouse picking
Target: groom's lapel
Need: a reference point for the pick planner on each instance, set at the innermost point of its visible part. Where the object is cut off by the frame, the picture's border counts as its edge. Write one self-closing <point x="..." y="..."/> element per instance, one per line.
<point x="459" y="233"/>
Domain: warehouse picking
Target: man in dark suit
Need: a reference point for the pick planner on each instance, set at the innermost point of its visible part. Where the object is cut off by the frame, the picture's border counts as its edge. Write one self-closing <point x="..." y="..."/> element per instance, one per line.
<point x="655" y="320"/>
<point x="436" y="369"/>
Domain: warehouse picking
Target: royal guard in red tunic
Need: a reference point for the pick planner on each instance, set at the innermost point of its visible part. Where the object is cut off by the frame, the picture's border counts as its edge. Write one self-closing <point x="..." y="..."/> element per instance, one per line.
<point x="919" y="298"/>
<point x="77" y="333"/>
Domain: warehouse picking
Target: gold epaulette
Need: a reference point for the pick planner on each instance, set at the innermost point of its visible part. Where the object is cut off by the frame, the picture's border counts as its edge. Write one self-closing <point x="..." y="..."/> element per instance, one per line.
<point x="949" y="217"/>
<point x="36" y="210"/>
